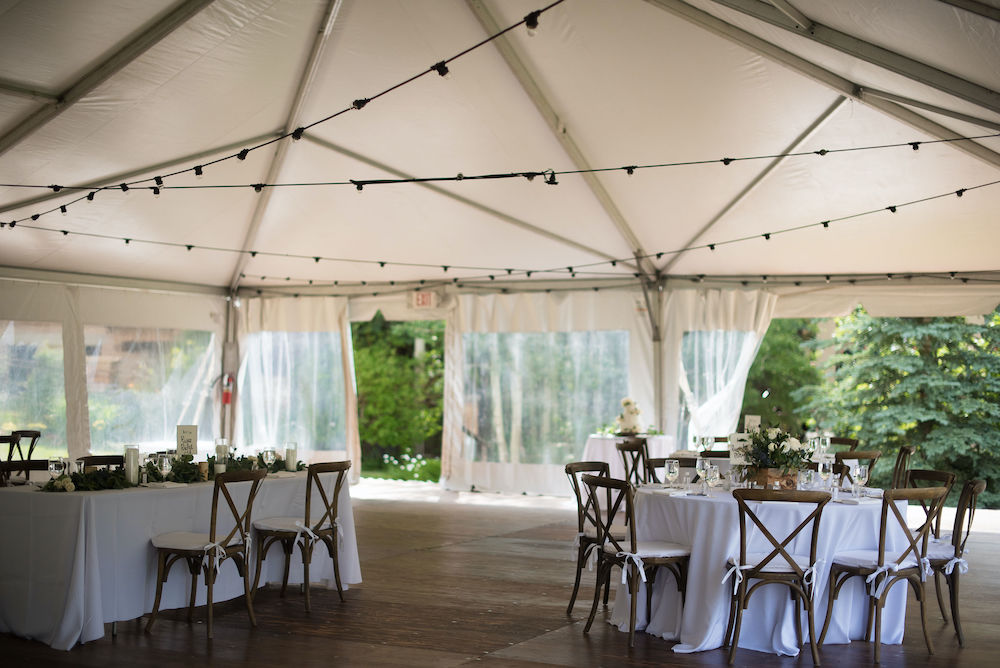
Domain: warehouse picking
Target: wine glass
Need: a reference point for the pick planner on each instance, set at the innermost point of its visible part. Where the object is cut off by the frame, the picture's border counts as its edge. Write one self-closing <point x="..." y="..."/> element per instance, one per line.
<point x="825" y="471"/>
<point x="701" y="466"/>
<point x="268" y="456"/>
<point x="860" y="475"/>
<point x="712" y="475"/>
<point x="672" y="469"/>
<point x="163" y="463"/>
<point x="56" y="467"/>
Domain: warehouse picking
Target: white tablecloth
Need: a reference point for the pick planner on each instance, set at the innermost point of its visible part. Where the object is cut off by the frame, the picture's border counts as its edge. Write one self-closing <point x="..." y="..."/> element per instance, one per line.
<point x="71" y="562"/>
<point x="710" y="525"/>
<point x="601" y="448"/>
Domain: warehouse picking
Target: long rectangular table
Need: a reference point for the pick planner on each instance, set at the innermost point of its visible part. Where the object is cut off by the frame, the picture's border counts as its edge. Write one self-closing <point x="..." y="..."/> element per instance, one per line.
<point x="710" y="525"/>
<point x="71" y="562"/>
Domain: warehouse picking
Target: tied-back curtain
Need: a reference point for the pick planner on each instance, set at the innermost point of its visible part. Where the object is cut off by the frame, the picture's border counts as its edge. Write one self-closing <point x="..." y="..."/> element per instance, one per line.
<point x="296" y="381"/>
<point x="711" y="339"/>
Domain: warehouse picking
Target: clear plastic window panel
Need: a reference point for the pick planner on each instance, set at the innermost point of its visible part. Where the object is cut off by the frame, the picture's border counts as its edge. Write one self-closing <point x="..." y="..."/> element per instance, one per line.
<point x="534" y="398"/>
<point x="291" y="388"/>
<point x="143" y="382"/>
<point x="32" y="394"/>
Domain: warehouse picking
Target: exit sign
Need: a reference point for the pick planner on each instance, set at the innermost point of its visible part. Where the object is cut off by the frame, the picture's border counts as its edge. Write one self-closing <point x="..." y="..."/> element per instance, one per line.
<point x="420" y="299"/>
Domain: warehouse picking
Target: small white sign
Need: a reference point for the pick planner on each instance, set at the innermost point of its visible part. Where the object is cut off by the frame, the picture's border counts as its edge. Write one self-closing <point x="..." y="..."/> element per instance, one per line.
<point x="420" y="299"/>
<point x="751" y="422"/>
<point x="187" y="439"/>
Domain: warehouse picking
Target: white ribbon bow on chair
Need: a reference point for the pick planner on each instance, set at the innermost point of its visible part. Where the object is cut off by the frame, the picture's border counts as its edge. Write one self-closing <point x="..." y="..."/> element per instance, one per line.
<point x="216" y="553"/>
<point x="303" y="529"/>
<point x="635" y="559"/>
<point x="963" y="565"/>
<point x="736" y="572"/>
<point x="809" y="577"/>
<point x="880" y="589"/>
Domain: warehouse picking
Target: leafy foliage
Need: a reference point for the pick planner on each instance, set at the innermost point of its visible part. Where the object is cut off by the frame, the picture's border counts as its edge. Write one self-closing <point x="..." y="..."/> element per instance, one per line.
<point x="784" y="364"/>
<point x="933" y="383"/>
<point x="400" y="373"/>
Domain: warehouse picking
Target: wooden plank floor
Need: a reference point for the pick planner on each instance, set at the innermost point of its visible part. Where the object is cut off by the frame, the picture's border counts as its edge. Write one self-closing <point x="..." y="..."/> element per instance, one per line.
<point x="459" y="582"/>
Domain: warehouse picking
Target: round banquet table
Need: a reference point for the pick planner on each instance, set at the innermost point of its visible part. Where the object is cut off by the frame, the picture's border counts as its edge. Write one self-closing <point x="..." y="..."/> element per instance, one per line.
<point x="710" y="525"/>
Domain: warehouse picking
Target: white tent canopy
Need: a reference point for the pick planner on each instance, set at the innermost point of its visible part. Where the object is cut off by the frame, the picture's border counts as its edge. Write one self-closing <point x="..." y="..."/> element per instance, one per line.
<point x="822" y="202"/>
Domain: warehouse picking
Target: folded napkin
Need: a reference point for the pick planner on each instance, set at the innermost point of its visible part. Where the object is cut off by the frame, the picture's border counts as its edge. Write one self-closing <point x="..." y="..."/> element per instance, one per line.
<point x="282" y="474"/>
<point x="685" y="453"/>
<point x="851" y="501"/>
<point x="165" y="485"/>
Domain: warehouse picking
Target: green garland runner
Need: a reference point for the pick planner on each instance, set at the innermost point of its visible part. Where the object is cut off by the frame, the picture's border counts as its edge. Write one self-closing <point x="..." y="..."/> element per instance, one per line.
<point x="89" y="482"/>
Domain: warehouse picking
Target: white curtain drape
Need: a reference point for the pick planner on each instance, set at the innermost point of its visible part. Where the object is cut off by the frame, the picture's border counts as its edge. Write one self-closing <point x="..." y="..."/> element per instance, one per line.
<point x="505" y="337"/>
<point x="296" y="380"/>
<point x="710" y="340"/>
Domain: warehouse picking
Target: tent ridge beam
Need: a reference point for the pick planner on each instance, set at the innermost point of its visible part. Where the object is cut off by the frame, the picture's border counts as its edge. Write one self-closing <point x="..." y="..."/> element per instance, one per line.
<point x="759" y="178"/>
<point x="103" y="71"/>
<point x="324" y="29"/>
<point x="507" y="218"/>
<point x="872" y="53"/>
<point x="802" y="22"/>
<point x="975" y="7"/>
<point x="717" y="26"/>
<point x="560" y="132"/>
<point x="145" y="169"/>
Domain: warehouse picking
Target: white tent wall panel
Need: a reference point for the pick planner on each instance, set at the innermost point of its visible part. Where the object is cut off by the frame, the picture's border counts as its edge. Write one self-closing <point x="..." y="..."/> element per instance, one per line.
<point x="77" y="306"/>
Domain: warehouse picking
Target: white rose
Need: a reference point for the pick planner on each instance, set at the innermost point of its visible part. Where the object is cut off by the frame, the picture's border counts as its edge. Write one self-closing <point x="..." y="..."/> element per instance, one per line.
<point x="772" y="446"/>
<point x="794" y="444"/>
<point x="772" y="432"/>
<point x="69" y="486"/>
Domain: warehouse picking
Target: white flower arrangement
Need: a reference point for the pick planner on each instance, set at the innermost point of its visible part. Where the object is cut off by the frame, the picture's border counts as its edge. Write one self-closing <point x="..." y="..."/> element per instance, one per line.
<point x="61" y="484"/>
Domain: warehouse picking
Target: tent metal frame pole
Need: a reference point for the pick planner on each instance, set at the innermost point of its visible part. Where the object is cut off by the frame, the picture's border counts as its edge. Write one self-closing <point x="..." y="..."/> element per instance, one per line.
<point x="867" y="93"/>
<point x="823" y="76"/>
<point x="517" y="222"/>
<point x="14" y="89"/>
<point x="139" y="171"/>
<point x="103" y="71"/>
<point x="872" y="53"/>
<point x="757" y="180"/>
<point x="560" y="132"/>
<point x="322" y="36"/>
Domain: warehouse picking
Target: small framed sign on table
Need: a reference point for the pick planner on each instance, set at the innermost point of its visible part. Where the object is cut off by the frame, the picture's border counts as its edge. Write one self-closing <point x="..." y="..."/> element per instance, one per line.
<point x="187" y="439"/>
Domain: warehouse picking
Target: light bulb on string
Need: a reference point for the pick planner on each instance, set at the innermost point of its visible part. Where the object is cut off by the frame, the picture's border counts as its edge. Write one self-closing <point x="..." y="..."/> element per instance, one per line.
<point x="531" y="22"/>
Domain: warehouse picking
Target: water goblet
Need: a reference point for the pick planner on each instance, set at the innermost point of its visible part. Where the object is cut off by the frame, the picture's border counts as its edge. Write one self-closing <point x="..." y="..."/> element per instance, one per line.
<point x="163" y="463"/>
<point x="56" y="467"/>
<point x="701" y="466"/>
<point x="268" y="456"/>
<point x="686" y="480"/>
<point x="712" y="475"/>
<point x="860" y="475"/>
<point x="825" y="471"/>
<point x="672" y="469"/>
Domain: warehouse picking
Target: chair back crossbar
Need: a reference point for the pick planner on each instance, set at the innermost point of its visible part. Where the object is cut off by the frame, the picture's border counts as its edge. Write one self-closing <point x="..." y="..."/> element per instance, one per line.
<point x="21" y="466"/>
<point x="902" y="465"/>
<point x="241" y="518"/>
<point x="586" y="518"/>
<point x="778" y="547"/>
<point x="107" y="461"/>
<point x="634" y="455"/>
<point x="922" y="478"/>
<point x="869" y="456"/>
<point x="932" y="498"/>
<point x="619" y="498"/>
<point x="330" y="501"/>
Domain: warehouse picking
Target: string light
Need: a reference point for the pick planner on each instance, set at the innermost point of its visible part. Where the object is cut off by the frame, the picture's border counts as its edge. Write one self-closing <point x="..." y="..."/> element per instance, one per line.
<point x="442" y="69"/>
<point x="531" y="22"/>
<point x="198" y="171"/>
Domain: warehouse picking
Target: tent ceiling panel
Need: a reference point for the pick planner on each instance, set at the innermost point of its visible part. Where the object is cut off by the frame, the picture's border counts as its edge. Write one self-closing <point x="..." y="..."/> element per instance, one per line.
<point x="629" y="83"/>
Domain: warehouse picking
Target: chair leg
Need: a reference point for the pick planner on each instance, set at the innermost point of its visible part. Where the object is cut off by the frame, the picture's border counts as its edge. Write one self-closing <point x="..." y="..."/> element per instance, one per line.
<point x="833" y="589"/>
<point x="194" y="567"/>
<point x="940" y="594"/>
<point x="261" y="553"/>
<point x="921" y="591"/>
<point x="597" y="592"/>
<point x="728" y="638"/>
<point x="798" y="616"/>
<point x="161" y="559"/>
<point x="335" y="555"/>
<point x="210" y="583"/>
<point x="305" y="547"/>
<point x="633" y="594"/>
<point x="287" y="545"/>
<point x="740" y="603"/>
<point x="811" y="621"/>
<point x="580" y="551"/>
<point x="877" y="607"/>
<point x="244" y="567"/>
<point x="953" y="595"/>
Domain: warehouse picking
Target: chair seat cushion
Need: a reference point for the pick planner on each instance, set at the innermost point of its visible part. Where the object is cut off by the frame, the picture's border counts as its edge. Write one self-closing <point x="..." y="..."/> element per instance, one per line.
<point x="868" y="559"/>
<point x="181" y="540"/>
<point x="777" y="565"/>
<point x="654" y="548"/>
<point x="280" y="524"/>
<point x="940" y="551"/>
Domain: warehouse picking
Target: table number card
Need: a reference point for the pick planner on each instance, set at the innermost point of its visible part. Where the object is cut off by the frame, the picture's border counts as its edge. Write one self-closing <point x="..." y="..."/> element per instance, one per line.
<point x="187" y="439"/>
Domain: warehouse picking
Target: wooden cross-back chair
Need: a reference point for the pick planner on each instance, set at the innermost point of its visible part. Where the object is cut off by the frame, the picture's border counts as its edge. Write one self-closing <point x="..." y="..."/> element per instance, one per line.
<point x="586" y="520"/>
<point x="884" y="568"/>
<point x="776" y="565"/>
<point x="841" y="441"/>
<point x="634" y="453"/>
<point x="306" y="532"/>
<point x="638" y="560"/>
<point x="868" y="457"/>
<point x="205" y="552"/>
<point x="103" y="461"/>
<point x="948" y="557"/>
<point x="920" y="478"/>
<point x="902" y="465"/>
<point x="16" y="439"/>
<point x="7" y="469"/>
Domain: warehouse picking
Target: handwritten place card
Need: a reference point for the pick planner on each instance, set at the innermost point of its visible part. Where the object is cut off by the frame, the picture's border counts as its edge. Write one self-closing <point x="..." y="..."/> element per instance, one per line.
<point x="187" y="439"/>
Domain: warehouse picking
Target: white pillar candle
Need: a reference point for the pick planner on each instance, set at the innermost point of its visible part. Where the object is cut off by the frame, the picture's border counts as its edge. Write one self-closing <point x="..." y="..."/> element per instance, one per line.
<point x="132" y="464"/>
<point x="291" y="456"/>
<point x="221" y="455"/>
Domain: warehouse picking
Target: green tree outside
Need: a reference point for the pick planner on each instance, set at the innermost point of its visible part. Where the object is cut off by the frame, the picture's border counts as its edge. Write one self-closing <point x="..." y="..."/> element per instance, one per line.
<point x="785" y="364"/>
